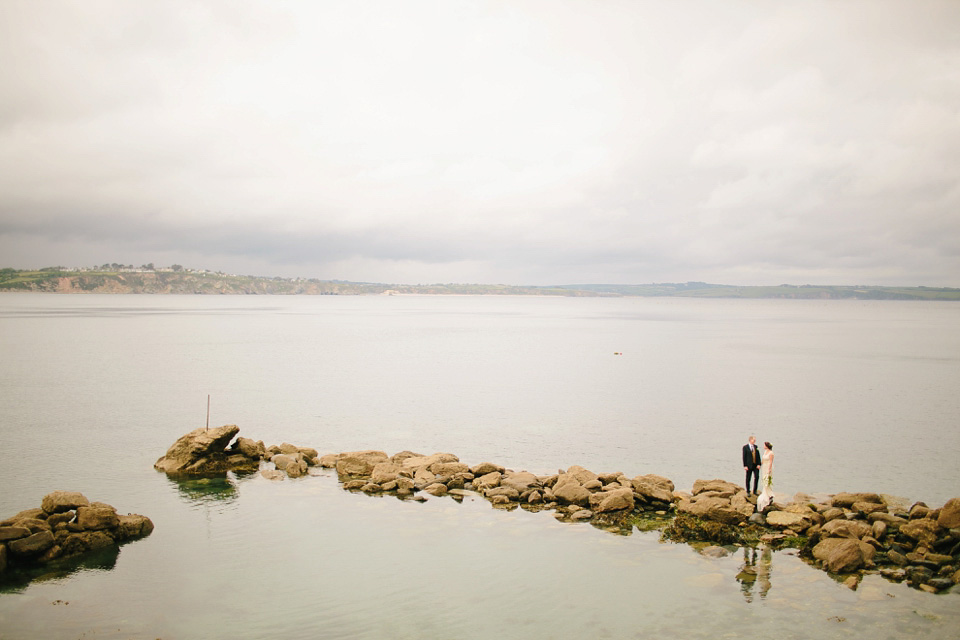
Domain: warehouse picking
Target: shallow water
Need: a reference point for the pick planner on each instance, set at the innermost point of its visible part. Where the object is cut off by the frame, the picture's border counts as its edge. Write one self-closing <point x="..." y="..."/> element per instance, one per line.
<point x="95" y="388"/>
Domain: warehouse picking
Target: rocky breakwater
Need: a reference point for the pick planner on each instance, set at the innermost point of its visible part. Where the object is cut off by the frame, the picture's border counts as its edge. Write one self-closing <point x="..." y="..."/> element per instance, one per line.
<point x="576" y="494"/>
<point x="861" y="531"/>
<point x="66" y="525"/>
<point x="845" y="534"/>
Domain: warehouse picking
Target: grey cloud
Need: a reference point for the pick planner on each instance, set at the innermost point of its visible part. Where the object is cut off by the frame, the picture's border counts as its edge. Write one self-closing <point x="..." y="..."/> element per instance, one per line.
<point x="748" y="143"/>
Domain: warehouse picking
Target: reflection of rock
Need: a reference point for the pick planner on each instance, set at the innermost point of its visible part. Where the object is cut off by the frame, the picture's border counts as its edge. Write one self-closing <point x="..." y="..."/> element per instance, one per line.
<point x="202" y="489"/>
<point x="67" y="525"/>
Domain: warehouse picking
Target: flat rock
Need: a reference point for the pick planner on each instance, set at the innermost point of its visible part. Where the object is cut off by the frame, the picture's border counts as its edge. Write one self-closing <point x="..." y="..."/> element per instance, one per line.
<point x="61" y="501"/>
<point x="718" y="486"/>
<point x="845" y="500"/>
<point x="712" y="508"/>
<point x="13" y="533"/>
<point x="32" y="545"/>
<point x="484" y="468"/>
<point x="785" y="519"/>
<point x="97" y="518"/>
<point x="846" y="529"/>
<point x="519" y="480"/>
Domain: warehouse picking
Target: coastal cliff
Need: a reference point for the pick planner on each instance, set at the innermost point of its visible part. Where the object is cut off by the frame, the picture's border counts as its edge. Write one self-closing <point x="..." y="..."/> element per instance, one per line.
<point x="190" y="281"/>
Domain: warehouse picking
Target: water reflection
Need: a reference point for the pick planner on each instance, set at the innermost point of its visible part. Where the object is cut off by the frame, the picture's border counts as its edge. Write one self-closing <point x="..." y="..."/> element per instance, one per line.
<point x="206" y="490"/>
<point x="16" y="580"/>
<point x="755" y="572"/>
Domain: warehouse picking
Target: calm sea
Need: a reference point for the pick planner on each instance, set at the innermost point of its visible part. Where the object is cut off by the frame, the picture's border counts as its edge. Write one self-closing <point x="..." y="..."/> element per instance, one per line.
<point x="93" y="389"/>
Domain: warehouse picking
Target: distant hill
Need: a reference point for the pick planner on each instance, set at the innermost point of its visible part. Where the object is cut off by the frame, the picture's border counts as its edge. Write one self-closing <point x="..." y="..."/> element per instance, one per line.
<point x="189" y="281"/>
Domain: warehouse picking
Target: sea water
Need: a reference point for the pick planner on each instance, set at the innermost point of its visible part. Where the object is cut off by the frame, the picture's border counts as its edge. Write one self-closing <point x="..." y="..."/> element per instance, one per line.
<point x="854" y="395"/>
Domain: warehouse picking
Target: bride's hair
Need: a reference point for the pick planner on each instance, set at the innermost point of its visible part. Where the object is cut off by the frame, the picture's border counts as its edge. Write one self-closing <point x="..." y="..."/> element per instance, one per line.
<point x="768" y="445"/>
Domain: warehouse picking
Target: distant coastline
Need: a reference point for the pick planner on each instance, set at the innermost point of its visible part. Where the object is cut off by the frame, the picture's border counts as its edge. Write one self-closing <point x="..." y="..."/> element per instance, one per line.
<point x="179" y="281"/>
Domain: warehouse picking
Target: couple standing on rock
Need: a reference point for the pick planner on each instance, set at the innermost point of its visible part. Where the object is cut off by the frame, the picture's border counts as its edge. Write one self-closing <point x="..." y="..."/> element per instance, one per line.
<point x="760" y="467"/>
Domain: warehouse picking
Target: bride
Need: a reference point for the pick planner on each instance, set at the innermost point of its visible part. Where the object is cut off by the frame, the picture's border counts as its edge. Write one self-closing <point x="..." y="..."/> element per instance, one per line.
<point x="766" y="477"/>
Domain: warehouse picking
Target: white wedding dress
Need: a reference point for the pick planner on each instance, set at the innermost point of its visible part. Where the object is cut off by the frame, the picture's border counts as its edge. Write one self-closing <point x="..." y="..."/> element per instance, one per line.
<point x="766" y="480"/>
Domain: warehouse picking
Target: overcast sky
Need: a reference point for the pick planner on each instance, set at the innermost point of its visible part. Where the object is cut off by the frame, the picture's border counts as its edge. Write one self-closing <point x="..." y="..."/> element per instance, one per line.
<point x="516" y="142"/>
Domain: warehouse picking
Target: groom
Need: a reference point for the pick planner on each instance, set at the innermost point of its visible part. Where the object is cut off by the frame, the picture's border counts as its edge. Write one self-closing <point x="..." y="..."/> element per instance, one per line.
<point x="751" y="463"/>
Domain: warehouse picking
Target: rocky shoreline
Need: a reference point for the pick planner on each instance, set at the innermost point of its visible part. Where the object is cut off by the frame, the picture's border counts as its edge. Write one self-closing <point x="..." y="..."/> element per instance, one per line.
<point x="66" y="526"/>
<point x="845" y="534"/>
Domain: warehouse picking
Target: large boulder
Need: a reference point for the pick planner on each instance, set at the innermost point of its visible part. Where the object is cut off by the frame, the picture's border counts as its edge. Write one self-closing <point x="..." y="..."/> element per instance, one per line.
<point x="61" y="501"/>
<point x="654" y="487"/>
<point x="841" y="528"/>
<point x="201" y="451"/>
<point x="510" y="492"/>
<point x="293" y="464"/>
<point x="581" y="475"/>
<point x="487" y="481"/>
<point x="949" y="517"/>
<point x="97" y="518"/>
<point x="722" y="487"/>
<point x="133" y="526"/>
<point x="923" y="530"/>
<point x="568" y="491"/>
<point x="788" y="520"/>
<point x="712" y="508"/>
<point x="13" y="533"/>
<point x="842" y="555"/>
<point x="250" y="448"/>
<point x="846" y="500"/>
<point x="484" y="468"/>
<point x="740" y="503"/>
<point x="32" y="545"/>
<point x="415" y="462"/>
<point x="359" y="463"/>
<point x="84" y="541"/>
<point x="519" y="480"/>
<point x="448" y="468"/>
<point x="385" y="472"/>
<point x="616" y="500"/>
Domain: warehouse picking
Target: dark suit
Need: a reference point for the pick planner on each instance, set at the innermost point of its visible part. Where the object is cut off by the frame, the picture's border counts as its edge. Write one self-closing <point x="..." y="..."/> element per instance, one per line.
<point x="751" y="460"/>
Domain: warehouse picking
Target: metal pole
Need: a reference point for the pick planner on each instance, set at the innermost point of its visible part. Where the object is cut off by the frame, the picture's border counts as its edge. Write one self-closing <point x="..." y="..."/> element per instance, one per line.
<point x="208" y="411"/>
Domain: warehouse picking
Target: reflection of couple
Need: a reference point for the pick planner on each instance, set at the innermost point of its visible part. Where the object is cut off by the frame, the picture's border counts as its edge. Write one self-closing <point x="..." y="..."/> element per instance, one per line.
<point x="752" y="572"/>
<point x="759" y="466"/>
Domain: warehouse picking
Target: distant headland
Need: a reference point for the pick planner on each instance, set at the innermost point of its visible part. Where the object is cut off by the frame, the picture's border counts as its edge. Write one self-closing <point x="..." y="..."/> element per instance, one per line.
<point x="117" y="278"/>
